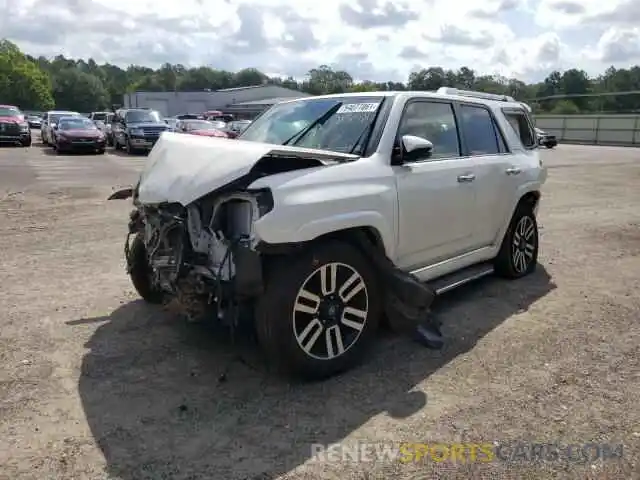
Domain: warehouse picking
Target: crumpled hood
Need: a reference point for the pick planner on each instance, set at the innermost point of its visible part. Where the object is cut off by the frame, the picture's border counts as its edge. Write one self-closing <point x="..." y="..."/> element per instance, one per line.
<point x="183" y="168"/>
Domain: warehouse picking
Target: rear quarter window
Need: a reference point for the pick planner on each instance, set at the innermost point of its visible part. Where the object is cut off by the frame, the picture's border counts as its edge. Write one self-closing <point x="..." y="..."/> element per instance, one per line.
<point x="522" y="125"/>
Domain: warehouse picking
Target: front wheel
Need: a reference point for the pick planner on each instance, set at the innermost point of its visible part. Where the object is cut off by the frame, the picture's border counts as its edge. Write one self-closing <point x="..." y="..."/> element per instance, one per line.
<point x="140" y="272"/>
<point x="26" y="143"/>
<point x="320" y="311"/>
<point x="518" y="255"/>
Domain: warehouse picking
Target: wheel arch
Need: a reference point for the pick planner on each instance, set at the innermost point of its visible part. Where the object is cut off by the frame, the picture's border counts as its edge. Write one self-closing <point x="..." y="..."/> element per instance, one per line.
<point x="361" y="237"/>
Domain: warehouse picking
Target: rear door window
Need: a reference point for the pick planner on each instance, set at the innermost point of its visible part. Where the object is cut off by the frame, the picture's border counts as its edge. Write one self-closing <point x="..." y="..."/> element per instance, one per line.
<point x="482" y="136"/>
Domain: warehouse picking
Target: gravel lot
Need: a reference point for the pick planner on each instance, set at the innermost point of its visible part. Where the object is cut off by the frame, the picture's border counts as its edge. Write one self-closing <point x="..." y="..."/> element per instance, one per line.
<point x="97" y="385"/>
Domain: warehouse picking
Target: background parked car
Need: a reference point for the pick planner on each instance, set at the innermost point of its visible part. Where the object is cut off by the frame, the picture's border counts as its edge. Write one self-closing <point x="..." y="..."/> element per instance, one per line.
<point x="136" y="129"/>
<point x="172" y="122"/>
<point x="201" y="127"/>
<point x="50" y="122"/>
<point x="34" y="121"/>
<point x="546" y="139"/>
<point x="14" y="128"/>
<point x="78" y="134"/>
<point x="238" y="126"/>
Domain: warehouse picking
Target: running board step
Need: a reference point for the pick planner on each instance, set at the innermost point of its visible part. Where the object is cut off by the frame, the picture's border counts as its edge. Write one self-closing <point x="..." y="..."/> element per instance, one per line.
<point x="457" y="279"/>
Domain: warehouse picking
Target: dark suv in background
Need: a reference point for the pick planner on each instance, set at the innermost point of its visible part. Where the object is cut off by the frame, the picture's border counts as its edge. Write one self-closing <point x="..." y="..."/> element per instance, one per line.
<point x="136" y="129"/>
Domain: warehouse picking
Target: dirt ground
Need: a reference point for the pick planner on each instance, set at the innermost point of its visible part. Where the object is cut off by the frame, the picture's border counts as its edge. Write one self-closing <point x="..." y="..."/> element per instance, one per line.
<point x="95" y="385"/>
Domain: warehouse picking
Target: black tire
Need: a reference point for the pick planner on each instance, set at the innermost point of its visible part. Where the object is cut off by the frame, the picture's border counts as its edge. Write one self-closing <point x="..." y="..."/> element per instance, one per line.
<point x="276" y="321"/>
<point x="521" y="236"/>
<point x="141" y="273"/>
<point x="26" y="143"/>
<point x="101" y="151"/>
<point x="549" y="146"/>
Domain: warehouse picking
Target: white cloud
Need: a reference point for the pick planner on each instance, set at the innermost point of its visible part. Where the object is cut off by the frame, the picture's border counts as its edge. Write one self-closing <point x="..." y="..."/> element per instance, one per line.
<point x="374" y="39"/>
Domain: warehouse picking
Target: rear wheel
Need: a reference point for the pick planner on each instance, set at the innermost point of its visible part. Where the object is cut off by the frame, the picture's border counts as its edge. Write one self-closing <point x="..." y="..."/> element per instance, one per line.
<point x="140" y="272"/>
<point x="320" y="311"/>
<point x="518" y="254"/>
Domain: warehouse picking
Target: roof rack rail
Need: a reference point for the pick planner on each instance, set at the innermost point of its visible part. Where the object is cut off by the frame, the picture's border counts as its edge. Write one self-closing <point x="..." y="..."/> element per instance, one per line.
<point x="474" y="94"/>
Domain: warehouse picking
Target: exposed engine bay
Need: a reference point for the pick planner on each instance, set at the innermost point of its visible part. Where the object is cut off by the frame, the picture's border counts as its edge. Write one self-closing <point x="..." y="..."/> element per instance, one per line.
<point x="195" y="252"/>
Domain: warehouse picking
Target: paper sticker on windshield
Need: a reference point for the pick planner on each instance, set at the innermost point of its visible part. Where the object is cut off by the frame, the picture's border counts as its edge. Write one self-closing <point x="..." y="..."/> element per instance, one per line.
<point x="358" y="108"/>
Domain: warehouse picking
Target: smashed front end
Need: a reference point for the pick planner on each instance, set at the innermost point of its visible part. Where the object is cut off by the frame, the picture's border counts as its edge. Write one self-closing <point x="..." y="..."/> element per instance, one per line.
<point x="202" y="256"/>
<point x="194" y="221"/>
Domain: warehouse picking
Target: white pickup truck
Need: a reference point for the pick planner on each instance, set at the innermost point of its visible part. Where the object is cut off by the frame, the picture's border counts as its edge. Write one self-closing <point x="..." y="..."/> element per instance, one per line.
<point x="328" y="212"/>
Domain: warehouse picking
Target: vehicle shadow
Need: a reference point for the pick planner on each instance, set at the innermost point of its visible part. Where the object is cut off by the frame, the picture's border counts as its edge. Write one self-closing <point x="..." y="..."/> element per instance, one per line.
<point x="123" y="153"/>
<point x="151" y="390"/>
<point x="52" y="152"/>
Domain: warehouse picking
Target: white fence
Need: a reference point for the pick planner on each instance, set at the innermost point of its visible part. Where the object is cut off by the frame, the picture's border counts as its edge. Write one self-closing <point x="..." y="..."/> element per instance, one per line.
<point x="592" y="129"/>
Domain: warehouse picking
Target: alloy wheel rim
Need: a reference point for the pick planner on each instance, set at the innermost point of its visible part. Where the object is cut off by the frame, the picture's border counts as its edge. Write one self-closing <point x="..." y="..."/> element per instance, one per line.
<point x="330" y="311"/>
<point x="523" y="246"/>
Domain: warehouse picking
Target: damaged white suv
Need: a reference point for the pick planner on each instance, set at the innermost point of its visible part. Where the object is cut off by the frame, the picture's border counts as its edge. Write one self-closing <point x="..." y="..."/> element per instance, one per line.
<point x="328" y="212"/>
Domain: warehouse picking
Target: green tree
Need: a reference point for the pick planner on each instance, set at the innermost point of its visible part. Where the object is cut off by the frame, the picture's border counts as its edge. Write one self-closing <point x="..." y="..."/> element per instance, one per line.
<point x="565" y="107"/>
<point x="74" y="89"/>
<point x="22" y="82"/>
<point x="83" y="84"/>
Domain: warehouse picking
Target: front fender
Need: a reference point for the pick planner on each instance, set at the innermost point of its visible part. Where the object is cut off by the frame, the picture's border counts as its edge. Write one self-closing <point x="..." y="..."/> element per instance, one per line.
<point x="266" y="230"/>
<point x="306" y="214"/>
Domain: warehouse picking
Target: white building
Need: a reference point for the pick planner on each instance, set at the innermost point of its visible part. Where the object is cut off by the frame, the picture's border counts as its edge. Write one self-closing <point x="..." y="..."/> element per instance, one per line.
<point x="229" y="100"/>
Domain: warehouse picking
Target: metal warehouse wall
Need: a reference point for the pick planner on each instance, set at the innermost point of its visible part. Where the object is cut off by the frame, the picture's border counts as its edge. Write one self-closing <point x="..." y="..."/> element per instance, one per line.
<point x="174" y="103"/>
<point x="592" y="129"/>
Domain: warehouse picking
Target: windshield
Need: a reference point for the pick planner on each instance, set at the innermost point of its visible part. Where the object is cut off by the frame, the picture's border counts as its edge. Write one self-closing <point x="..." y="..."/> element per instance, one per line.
<point x="10" y="112"/>
<point x="76" y="124"/>
<point x="143" y="116"/>
<point x="346" y="126"/>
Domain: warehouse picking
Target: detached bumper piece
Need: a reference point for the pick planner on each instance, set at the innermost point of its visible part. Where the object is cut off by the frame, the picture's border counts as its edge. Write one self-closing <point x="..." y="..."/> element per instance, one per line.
<point x="548" y="141"/>
<point x="407" y="301"/>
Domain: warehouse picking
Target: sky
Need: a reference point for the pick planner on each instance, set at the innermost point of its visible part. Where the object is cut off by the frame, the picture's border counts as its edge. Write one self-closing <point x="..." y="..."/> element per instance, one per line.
<point x="375" y="40"/>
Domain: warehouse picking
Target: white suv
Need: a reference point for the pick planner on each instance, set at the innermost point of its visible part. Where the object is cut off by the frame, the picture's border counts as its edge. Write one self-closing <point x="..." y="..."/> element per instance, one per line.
<point x="328" y="211"/>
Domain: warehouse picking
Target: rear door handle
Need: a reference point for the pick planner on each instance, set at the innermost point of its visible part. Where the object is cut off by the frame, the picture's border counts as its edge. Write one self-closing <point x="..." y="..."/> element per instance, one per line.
<point x="513" y="171"/>
<point x="466" y="178"/>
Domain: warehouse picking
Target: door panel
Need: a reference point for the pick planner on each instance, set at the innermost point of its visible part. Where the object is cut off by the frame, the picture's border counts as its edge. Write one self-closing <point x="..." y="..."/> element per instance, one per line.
<point x="435" y="194"/>
<point x="494" y="188"/>
<point x="435" y="211"/>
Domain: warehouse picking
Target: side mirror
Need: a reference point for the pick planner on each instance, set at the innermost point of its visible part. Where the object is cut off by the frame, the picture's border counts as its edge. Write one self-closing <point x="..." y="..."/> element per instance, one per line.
<point x="411" y="148"/>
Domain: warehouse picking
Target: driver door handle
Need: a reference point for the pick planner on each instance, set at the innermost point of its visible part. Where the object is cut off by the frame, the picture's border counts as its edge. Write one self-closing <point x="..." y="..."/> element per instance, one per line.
<point x="513" y="171"/>
<point x="466" y="178"/>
